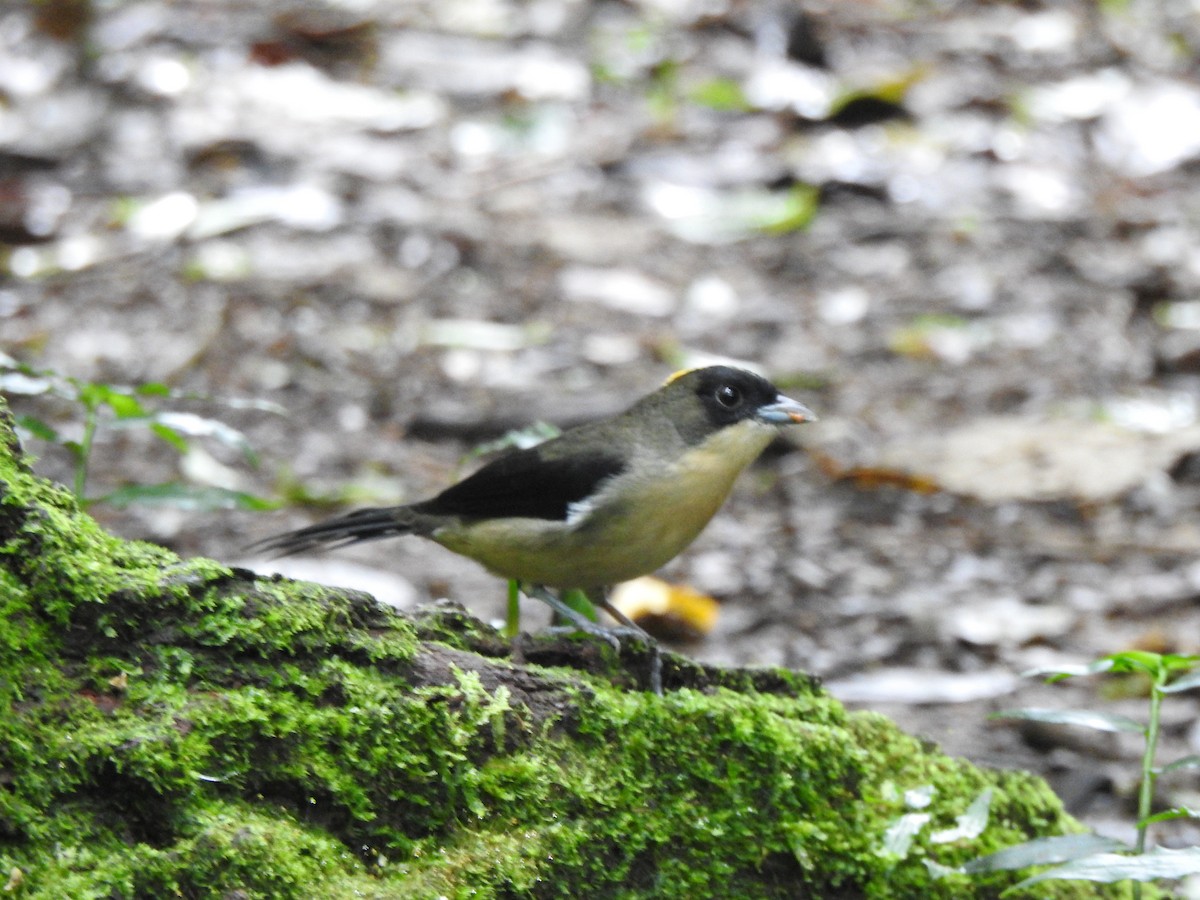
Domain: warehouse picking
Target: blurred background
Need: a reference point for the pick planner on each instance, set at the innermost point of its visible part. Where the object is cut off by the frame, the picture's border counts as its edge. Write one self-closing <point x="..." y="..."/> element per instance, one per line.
<point x="260" y="263"/>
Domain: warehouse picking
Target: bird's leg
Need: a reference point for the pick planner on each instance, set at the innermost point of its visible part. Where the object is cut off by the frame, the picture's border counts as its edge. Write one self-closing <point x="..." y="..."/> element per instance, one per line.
<point x="579" y="622"/>
<point x="655" y="653"/>
<point x="612" y="636"/>
<point x="605" y="604"/>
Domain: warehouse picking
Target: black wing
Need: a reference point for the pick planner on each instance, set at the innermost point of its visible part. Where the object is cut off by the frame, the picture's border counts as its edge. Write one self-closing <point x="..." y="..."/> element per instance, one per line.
<point x="524" y="483"/>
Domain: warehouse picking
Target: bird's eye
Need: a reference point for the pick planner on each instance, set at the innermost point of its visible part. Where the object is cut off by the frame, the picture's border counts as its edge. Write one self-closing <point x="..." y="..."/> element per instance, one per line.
<point x="728" y="396"/>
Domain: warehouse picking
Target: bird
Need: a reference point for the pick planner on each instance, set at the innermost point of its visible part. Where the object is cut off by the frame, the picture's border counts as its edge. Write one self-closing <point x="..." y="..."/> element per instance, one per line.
<point x="604" y="502"/>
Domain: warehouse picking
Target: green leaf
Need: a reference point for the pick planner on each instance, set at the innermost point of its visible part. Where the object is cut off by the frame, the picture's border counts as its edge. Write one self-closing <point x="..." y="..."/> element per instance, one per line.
<point x="920" y="796"/>
<point x="171" y="436"/>
<point x="184" y="496"/>
<point x="1170" y="815"/>
<point x="126" y="406"/>
<point x="1177" y="661"/>
<point x="898" y="838"/>
<point x="1043" y="851"/>
<point x="520" y="438"/>
<point x="1110" y="868"/>
<point x="1136" y="661"/>
<point x="261" y="405"/>
<point x="199" y="426"/>
<point x="25" y="383"/>
<point x="39" y="429"/>
<point x="970" y="824"/>
<point x="1068" y="670"/>
<point x="94" y="395"/>
<point x="722" y="94"/>
<point x="1186" y="762"/>
<point x="578" y="601"/>
<point x="153" y="389"/>
<point x="1084" y="718"/>
<point x="938" y="871"/>
<point x="1186" y="683"/>
<point x="919" y="337"/>
<point x="792" y="211"/>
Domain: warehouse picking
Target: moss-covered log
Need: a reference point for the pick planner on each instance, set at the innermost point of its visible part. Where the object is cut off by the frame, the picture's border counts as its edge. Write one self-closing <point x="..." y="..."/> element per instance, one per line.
<point x="180" y="728"/>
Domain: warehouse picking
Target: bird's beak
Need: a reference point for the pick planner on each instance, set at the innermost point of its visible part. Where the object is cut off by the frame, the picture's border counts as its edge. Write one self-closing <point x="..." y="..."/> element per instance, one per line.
<point x="785" y="411"/>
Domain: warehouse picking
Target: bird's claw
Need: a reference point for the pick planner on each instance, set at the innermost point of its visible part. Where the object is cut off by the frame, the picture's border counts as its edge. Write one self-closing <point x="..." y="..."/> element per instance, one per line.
<point x="611" y="636"/>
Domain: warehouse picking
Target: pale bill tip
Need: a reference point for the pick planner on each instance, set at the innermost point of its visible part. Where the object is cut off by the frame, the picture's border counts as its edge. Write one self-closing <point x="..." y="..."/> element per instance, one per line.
<point x="785" y="411"/>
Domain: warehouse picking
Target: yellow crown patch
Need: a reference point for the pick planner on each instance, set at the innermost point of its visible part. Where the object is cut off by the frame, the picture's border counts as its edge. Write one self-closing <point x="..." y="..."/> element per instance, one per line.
<point x="677" y="375"/>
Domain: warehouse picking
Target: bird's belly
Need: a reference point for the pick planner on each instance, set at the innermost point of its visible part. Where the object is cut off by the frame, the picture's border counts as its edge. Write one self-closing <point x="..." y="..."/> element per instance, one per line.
<point x="608" y="539"/>
<point x="617" y="547"/>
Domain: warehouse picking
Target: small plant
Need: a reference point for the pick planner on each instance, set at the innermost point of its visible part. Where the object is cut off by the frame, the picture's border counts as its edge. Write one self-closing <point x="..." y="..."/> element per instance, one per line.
<point x="112" y="406"/>
<point x="1090" y="857"/>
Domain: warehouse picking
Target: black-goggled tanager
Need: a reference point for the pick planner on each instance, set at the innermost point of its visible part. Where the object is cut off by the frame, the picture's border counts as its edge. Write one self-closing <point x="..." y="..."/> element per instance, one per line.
<point x="602" y="503"/>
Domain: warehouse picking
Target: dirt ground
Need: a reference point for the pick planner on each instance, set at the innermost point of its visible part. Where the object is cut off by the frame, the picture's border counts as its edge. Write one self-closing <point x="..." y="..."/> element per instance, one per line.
<point x="966" y="234"/>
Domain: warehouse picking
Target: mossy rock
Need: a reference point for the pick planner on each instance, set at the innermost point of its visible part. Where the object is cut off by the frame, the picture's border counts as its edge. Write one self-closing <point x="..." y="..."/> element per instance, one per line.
<point x="180" y="728"/>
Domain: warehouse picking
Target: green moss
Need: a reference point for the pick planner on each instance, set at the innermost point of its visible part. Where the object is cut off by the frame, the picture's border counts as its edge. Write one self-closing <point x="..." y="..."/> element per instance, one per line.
<point x="225" y="849"/>
<point x="178" y="728"/>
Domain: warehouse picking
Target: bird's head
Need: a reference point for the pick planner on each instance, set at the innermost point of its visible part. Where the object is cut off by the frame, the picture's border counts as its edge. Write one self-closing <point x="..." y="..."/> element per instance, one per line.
<point x="702" y="402"/>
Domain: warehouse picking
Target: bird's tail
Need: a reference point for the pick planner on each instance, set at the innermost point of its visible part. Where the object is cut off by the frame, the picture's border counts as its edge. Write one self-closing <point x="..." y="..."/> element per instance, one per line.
<point x="360" y="525"/>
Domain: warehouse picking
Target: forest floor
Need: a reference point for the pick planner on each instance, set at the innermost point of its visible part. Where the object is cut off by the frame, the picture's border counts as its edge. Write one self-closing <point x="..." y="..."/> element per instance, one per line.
<point x="966" y="234"/>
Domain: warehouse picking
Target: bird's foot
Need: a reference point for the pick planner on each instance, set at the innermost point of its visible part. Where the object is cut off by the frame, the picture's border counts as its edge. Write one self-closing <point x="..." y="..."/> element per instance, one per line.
<point x="610" y="635"/>
<point x="613" y="637"/>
